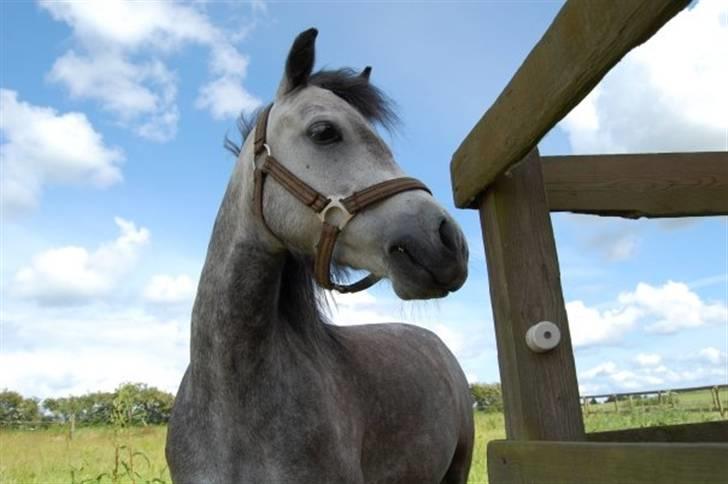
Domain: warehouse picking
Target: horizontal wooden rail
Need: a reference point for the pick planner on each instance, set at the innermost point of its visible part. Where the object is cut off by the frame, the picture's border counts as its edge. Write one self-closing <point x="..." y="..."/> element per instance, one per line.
<point x="640" y="185"/>
<point x="584" y="41"/>
<point x="605" y="462"/>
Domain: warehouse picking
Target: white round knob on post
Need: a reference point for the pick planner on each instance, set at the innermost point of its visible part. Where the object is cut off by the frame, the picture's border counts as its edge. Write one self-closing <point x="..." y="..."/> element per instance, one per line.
<point x="543" y="336"/>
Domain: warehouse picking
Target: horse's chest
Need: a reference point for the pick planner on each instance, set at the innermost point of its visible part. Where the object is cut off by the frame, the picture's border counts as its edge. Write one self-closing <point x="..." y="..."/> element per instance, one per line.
<point x="280" y="430"/>
<point x="282" y="445"/>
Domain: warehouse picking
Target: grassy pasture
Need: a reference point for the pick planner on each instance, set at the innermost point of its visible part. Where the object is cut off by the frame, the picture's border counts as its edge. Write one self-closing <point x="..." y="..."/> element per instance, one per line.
<point x="49" y="456"/>
<point x="492" y="426"/>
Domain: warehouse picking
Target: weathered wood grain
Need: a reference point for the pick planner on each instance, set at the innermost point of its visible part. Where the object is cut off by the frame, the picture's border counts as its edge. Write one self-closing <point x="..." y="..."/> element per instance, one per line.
<point x="638" y="185"/>
<point x="606" y="463"/>
<point x="540" y="393"/>
<point x="696" y="432"/>
<point x="584" y="41"/>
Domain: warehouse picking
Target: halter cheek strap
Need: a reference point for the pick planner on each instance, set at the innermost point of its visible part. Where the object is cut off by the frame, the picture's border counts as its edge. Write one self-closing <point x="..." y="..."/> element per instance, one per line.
<point x="335" y="213"/>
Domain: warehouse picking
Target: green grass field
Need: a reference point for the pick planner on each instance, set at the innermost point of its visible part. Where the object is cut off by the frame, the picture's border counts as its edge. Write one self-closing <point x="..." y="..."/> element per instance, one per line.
<point x="49" y="456"/>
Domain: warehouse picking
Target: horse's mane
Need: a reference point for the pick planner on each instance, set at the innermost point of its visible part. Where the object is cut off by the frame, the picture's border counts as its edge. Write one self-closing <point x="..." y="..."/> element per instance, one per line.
<point x="346" y="83"/>
<point x="301" y="299"/>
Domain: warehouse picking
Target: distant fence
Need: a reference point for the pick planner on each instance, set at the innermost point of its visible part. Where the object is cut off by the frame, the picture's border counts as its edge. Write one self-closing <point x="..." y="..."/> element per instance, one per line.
<point x="38" y="425"/>
<point x="705" y="398"/>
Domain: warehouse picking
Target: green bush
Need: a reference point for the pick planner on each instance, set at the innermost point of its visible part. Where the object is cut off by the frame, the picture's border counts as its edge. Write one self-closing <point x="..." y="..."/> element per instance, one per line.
<point x="16" y="410"/>
<point x="140" y="404"/>
<point x="487" y="396"/>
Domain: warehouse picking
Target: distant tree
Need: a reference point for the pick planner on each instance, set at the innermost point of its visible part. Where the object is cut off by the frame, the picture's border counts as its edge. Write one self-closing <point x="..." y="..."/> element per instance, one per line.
<point x="90" y="409"/>
<point x="15" y="409"/>
<point x="157" y="405"/>
<point x="62" y="409"/>
<point x="139" y="404"/>
<point x="129" y="404"/>
<point x="488" y="397"/>
<point x="95" y="408"/>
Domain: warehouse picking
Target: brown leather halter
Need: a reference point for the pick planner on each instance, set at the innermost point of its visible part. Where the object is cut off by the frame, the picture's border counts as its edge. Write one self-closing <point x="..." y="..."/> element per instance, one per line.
<point x="334" y="212"/>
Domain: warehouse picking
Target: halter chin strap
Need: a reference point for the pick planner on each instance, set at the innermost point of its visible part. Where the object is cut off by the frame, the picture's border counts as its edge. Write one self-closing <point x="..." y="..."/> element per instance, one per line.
<point x="334" y="212"/>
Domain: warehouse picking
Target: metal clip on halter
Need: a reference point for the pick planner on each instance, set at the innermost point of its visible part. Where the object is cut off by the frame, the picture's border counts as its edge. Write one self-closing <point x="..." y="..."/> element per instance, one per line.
<point x="335" y="213"/>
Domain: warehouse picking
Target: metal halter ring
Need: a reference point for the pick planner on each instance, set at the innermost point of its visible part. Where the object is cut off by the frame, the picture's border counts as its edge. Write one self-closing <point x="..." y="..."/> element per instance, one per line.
<point x="335" y="213"/>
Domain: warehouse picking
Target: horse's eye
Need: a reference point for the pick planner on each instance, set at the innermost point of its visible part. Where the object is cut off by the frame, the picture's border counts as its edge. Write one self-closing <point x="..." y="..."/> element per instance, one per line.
<point x="323" y="133"/>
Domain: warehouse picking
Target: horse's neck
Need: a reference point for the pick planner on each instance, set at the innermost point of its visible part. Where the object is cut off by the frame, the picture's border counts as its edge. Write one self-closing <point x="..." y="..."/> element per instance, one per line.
<point x="237" y="297"/>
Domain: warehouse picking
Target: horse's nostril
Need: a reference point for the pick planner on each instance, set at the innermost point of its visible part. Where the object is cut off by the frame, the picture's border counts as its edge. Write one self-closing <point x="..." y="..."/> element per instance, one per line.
<point x="448" y="235"/>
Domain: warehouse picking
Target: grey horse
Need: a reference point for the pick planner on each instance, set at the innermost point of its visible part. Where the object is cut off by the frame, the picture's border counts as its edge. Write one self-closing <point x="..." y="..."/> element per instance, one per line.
<point x="275" y="394"/>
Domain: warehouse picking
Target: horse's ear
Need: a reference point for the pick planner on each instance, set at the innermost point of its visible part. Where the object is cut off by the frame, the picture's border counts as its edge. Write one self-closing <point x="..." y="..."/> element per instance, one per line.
<point x="366" y="73"/>
<point x="299" y="64"/>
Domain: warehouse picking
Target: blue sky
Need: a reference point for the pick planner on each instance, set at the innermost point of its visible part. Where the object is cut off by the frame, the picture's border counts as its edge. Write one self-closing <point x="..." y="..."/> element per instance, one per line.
<point x="112" y="121"/>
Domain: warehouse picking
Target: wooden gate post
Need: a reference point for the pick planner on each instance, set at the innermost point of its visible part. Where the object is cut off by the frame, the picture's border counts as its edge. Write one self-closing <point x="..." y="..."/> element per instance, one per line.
<point x="718" y="403"/>
<point x="540" y="391"/>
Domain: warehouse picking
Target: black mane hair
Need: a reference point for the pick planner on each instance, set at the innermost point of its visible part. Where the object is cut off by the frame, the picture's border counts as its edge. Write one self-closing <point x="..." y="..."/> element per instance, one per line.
<point x="346" y="83"/>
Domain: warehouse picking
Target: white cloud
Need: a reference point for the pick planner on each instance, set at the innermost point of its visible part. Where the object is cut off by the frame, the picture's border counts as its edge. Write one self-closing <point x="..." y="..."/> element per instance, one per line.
<point x="653" y="372"/>
<point x="622" y="249"/>
<point x="59" y="373"/>
<point x="259" y="6"/>
<point x="667" y="95"/>
<point x="225" y="97"/>
<point x="613" y="239"/>
<point x="166" y="289"/>
<point x="141" y="95"/>
<point x="120" y="65"/>
<point x="606" y="368"/>
<point x="119" y="23"/>
<point x="42" y="147"/>
<point x="227" y="61"/>
<point x="615" y="246"/>
<point x="648" y="359"/>
<point x="466" y="341"/>
<point x="674" y="306"/>
<point x="589" y="326"/>
<point x="610" y="375"/>
<point x="718" y="279"/>
<point x="713" y="355"/>
<point x="74" y="275"/>
<point x="98" y="346"/>
<point x="92" y="348"/>
<point x="356" y="308"/>
<point x="657" y="309"/>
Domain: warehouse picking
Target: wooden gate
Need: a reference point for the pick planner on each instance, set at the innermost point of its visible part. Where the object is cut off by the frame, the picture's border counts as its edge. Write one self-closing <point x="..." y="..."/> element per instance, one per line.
<point x="497" y="170"/>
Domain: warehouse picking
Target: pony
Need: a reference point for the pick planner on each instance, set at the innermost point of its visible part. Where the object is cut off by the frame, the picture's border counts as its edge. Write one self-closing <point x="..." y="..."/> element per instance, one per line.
<point x="273" y="392"/>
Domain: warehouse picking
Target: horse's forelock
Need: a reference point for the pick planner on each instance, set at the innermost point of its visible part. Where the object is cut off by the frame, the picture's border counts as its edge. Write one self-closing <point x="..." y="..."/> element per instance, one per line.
<point x="346" y="83"/>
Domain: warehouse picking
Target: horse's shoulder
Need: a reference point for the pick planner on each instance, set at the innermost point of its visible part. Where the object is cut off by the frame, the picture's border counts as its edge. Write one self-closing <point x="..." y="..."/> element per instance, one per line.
<point x="391" y="333"/>
<point x="394" y="343"/>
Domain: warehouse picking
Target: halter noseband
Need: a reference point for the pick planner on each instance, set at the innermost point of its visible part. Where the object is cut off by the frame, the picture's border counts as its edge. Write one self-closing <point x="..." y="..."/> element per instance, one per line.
<point x="334" y="212"/>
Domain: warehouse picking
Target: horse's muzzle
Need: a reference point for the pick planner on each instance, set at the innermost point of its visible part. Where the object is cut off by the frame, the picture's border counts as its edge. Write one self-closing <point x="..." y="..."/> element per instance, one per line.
<point x="427" y="261"/>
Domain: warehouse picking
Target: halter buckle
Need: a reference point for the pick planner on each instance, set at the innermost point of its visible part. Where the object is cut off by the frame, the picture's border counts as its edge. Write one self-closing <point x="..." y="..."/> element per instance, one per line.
<point x="335" y="213"/>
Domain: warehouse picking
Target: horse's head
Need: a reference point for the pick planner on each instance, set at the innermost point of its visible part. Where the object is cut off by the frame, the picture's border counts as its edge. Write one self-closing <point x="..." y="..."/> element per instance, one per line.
<point x="320" y="128"/>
